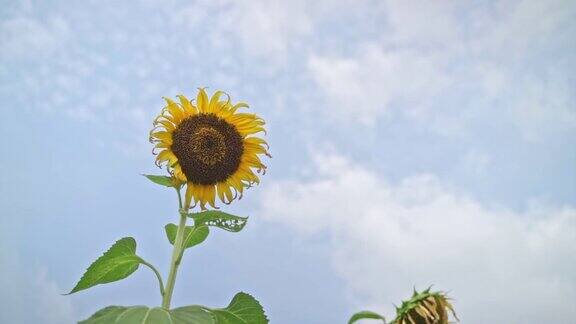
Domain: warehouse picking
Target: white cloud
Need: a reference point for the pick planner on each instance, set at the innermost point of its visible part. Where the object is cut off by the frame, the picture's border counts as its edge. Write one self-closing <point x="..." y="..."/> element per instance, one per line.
<point x="363" y="88"/>
<point x="30" y="296"/>
<point x="51" y="305"/>
<point x="510" y="30"/>
<point x="28" y="37"/>
<point x="404" y="71"/>
<point x="543" y="107"/>
<point x="446" y="71"/>
<point x="421" y="23"/>
<point x="475" y="162"/>
<point x="263" y="28"/>
<point x="268" y="27"/>
<point x="501" y="266"/>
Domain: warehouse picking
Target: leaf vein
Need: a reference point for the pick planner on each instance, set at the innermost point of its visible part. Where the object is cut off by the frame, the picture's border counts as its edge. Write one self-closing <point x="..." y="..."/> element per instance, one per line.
<point x="146" y="316"/>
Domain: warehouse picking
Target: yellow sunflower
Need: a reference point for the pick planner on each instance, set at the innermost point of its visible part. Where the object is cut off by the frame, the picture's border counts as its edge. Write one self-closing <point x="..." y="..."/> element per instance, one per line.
<point x="210" y="146"/>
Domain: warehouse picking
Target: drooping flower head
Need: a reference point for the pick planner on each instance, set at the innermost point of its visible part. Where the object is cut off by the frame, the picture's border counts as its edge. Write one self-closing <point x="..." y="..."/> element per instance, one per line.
<point x="424" y="308"/>
<point x="209" y="146"/>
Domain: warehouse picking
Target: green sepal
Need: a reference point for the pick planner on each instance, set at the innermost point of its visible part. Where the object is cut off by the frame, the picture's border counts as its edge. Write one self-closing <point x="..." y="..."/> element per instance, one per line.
<point x="366" y="315"/>
<point x="162" y="180"/>
<point x="193" y="235"/>
<point x="225" y="221"/>
<point x="243" y="309"/>
<point x="117" y="263"/>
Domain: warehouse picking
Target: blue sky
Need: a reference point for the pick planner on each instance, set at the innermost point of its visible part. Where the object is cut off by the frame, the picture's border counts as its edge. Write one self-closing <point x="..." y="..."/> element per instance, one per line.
<point x="414" y="143"/>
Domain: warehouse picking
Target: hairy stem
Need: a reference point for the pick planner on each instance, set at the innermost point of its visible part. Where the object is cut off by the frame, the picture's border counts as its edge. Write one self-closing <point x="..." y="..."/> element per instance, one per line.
<point x="176" y="256"/>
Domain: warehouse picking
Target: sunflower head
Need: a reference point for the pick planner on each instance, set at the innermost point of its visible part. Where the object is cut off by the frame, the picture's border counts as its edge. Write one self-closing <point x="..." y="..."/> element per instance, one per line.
<point x="424" y="308"/>
<point x="210" y="146"/>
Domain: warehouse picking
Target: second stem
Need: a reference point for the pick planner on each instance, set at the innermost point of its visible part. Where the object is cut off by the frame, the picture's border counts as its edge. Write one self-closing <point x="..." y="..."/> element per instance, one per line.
<point x="176" y="257"/>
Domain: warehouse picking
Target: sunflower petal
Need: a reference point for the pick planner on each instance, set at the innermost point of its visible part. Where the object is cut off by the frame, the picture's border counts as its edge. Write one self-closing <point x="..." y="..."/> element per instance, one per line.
<point x="189" y="109"/>
<point x="163" y="136"/>
<point x="210" y="195"/>
<point x="202" y="101"/>
<point x="214" y="101"/>
<point x="174" y="110"/>
<point x="179" y="174"/>
<point x="256" y="140"/>
<point x="168" y="125"/>
<point x="166" y="156"/>
<point x="220" y="188"/>
<point x="190" y="194"/>
<point x="239" y="105"/>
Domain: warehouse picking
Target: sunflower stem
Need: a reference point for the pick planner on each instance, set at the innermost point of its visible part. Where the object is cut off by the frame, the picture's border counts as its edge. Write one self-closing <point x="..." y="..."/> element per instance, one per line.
<point x="176" y="256"/>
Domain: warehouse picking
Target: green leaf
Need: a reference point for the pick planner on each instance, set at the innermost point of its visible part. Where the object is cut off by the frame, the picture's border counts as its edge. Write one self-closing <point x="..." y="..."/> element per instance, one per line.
<point x="161" y="180"/>
<point x="192" y="315"/>
<point x="193" y="235"/>
<point x="145" y="315"/>
<point x="117" y="263"/>
<point x="366" y="315"/>
<point x="243" y="309"/>
<point x="219" y="219"/>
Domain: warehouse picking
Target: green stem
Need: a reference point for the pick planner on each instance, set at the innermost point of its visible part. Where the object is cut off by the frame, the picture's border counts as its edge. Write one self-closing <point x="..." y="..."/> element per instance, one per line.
<point x="160" y="282"/>
<point x="176" y="256"/>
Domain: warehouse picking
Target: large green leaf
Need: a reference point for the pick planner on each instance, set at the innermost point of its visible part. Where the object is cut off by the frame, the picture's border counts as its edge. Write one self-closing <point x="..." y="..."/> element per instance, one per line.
<point x="117" y="263"/>
<point x="366" y="315"/>
<point x="243" y="309"/>
<point x="219" y="219"/>
<point x="193" y="235"/>
<point x="192" y="315"/>
<point x="145" y="315"/>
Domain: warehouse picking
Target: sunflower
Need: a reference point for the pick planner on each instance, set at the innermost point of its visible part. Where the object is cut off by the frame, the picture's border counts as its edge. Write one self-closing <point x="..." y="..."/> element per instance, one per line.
<point x="209" y="146"/>
<point x="425" y="308"/>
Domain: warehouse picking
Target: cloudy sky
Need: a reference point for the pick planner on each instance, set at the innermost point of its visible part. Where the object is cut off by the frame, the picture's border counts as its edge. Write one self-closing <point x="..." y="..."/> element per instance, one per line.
<point x="414" y="143"/>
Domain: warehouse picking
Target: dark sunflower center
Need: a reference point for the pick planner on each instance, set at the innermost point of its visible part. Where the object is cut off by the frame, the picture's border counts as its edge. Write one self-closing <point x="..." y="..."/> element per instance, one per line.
<point x="208" y="148"/>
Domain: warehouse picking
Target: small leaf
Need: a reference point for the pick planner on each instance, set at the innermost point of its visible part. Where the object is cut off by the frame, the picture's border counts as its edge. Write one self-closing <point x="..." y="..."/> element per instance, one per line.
<point x="161" y="180"/>
<point x="243" y="309"/>
<point x="145" y="315"/>
<point x="117" y="263"/>
<point x="219" y="219"/>
<point x="366" y="315"/>
<point x="193" y="235"/>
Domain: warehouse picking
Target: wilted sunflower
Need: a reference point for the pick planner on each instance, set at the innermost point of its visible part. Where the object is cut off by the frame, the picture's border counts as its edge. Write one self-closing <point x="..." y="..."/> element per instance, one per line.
<point x="424" y="308"/>
<point x="210" y="146"/>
